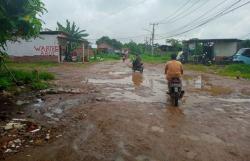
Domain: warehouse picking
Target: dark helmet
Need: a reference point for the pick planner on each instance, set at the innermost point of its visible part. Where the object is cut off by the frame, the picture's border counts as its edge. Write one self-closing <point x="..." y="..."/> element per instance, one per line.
<point x="173" y="56"/>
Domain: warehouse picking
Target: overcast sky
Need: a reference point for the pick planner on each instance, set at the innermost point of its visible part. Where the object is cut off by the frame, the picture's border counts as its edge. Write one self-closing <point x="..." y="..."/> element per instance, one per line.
<point x="128" y="20"/>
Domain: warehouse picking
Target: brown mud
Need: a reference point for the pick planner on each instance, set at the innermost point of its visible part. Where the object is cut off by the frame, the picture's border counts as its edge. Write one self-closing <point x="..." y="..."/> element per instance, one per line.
<point x="119" y="115"/>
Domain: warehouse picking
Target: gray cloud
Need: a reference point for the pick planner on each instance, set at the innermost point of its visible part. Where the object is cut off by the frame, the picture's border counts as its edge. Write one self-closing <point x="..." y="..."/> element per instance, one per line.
<point x="127" y="18"/>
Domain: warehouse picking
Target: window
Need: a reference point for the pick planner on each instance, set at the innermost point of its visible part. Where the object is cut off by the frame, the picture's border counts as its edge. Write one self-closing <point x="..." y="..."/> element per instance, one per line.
<point x="246" y="53"/>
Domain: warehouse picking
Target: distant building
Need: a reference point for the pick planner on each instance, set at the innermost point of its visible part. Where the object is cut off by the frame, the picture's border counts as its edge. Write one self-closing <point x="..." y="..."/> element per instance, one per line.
<point x="166" y="48"/>
<point x="48" y="46"/>
<point x="215" y="49"/>
<point x="105" y="48"/>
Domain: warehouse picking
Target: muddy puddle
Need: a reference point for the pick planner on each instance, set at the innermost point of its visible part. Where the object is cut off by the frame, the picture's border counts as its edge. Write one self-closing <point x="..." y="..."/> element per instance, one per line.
<point x="234" y="100"/>
<point x="148" y="87"/>
<point x="55" y="110"/>
<point x="135" y="87"/>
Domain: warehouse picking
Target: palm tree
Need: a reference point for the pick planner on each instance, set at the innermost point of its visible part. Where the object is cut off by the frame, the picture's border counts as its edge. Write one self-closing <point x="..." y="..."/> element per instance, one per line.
<point x="75" y="33"/>
<point x="72" y="30"/>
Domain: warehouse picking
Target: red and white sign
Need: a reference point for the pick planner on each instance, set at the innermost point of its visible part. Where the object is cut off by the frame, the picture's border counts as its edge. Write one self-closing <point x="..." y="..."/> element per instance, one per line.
<point x="47" y="50"/>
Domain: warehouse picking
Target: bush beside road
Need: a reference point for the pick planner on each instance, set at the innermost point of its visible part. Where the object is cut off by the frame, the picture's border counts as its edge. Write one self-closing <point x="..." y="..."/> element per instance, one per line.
<point x="33" y="75"/>
<point x="155" y="59"/>
<point x="232" y="70"/>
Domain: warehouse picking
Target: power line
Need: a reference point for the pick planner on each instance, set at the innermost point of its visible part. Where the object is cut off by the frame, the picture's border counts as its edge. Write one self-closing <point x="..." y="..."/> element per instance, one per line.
<point x="217" y="14"/>
<point x="189" y="13"/>
<point x="221" y="11"/>
<point x="209" y="20"/>
<point x="176" y="11"/>
<point x="191" y="23"/>
<point x="203" y="23"/>
<point x="181" y="13"/>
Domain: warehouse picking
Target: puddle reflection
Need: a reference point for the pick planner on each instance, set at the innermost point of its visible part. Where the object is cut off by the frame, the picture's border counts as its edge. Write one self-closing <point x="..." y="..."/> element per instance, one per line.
<point x="137" y="79"/>
<point x="175" y="111"/>
<point x="175" y="117"/>
<point x="198" y="82"/>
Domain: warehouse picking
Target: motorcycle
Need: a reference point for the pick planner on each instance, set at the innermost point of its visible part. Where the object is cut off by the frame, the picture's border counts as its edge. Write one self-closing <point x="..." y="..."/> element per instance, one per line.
<point x="175" y="91"/>
<point x="138" y="67"/>
<point x="123" y="57"/>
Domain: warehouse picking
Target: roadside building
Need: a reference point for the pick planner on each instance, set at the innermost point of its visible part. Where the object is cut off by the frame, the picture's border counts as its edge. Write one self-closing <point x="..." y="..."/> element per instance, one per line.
<point x="89" y="52"/>
<point x="213" y="49"/>
<point x="53" y="46"/>
<point x="104" y="48"/>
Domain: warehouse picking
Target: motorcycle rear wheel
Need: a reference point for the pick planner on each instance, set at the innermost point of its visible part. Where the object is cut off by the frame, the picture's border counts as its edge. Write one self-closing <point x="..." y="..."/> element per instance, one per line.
<point x="176" y="101"/>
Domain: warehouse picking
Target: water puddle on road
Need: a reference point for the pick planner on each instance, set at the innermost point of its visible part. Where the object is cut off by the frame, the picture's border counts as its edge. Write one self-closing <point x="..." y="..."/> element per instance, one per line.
<point x="201" y="84"/>
<point x="118" y="73"/>
<point x="198" y="82"/>
<point x="54" y="111"/>
<point x="195" y="82"/>
<point x="234" y="100"/>
<point x="151" y="87"/>
<point x="136" y="87"/>
<point x="39" y="102"/>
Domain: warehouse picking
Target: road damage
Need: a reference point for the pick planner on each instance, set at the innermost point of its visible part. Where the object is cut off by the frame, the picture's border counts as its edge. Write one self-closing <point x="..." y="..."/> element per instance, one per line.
<point x="106" y="112"/>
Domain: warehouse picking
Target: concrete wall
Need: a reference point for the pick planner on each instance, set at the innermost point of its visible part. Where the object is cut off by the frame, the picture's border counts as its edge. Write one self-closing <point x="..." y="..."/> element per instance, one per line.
<point x="224" y="49"/>
<point x="45" y="48"/>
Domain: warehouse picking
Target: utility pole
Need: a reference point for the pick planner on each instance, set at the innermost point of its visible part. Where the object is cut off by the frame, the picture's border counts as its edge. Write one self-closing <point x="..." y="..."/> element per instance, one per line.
<point x="146" y="44"/>
<point x="153" y="37"/>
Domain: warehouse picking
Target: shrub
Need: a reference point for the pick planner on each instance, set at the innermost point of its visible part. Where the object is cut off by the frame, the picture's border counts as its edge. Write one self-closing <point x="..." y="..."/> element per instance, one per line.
<point x="23" y="76"/>
<point x="33" y="78"/>
<point x="241" y="70"/>
<point x="4" y="83"/>
<point x="155" y="58"/>
<point x="46" y="76"/>
<point x="39" y="85"/>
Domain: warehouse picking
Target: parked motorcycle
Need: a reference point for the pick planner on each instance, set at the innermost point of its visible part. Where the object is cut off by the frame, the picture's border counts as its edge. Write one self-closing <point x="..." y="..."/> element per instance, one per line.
<point x="175" y="91"/>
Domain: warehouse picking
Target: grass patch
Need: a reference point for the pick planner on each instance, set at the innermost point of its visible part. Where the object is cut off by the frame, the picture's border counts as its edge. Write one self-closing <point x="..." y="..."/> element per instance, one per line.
<point x="39" y="85"/>
<point x="198" y="67"/>
<point x="5" y="83"/>
<point x="155" y="59"/>
<point x="37" y="80"/>
<point x="30" y="74"/>
<point x="232" y="70"/>
<point x="46" y="76"/>
<point x="241" y="70"/>
<point x="28" y="66"/>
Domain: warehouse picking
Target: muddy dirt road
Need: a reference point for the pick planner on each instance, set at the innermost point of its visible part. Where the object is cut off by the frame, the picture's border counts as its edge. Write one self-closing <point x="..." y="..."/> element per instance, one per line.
<point x="117" y="115"/>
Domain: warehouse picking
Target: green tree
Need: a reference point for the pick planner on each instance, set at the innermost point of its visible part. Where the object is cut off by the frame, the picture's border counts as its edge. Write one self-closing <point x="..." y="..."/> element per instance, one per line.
<point x="19" y="19"/>
<point x="245" y="44"/>
<point x="73" y="31"/>
<point x="176" y="44"/>
<point x="135" y="48"/>
<point x="112" y="42"/>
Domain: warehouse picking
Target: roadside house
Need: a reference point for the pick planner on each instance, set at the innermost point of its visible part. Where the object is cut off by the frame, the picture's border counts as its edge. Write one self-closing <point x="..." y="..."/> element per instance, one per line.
<point x="215" y="49"/>
<point x="48" y="46"/>
<point x="104" y="48"/>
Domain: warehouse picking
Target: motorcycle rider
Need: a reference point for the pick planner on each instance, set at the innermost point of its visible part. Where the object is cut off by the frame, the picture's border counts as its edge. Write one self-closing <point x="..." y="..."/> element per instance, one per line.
<point x="173" y="69"/>
<point x="137" y="61"/>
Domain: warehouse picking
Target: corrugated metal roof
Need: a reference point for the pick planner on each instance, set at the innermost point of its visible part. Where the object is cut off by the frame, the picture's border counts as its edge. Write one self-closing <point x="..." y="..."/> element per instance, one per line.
<point x="53" y="33"/>
<point x="212" y="40"/>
